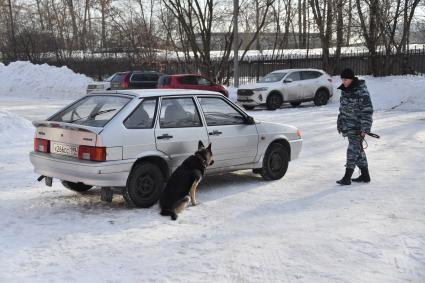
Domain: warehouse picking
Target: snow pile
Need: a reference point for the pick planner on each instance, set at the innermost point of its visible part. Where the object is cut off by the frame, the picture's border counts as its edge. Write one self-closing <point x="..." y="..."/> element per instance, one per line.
<point x="14" y="128"/>
<point x="397" y="92"/>
<point x="24" y="79"/>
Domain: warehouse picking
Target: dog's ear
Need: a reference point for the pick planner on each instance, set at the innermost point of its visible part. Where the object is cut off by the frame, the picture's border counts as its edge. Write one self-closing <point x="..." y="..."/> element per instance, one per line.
<point x="209" y="147"/>
<point x="200" y="145"/>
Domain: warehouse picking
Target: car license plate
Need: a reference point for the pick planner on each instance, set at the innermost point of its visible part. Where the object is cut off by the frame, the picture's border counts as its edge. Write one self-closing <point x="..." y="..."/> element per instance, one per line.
<point x="64" y="149"/>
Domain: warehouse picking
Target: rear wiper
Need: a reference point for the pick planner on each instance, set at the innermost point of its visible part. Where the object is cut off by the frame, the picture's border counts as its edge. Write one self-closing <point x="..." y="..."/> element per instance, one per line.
<point x="91" y="116"/>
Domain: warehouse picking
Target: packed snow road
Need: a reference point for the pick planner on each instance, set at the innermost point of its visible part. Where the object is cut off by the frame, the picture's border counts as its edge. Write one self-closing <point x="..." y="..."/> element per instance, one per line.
<point x="302" y="228"/>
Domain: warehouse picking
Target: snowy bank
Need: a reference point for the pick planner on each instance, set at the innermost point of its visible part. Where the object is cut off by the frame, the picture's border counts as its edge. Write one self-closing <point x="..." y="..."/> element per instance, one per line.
<point x="27" y="80"/>
<point x="14" y="128"/>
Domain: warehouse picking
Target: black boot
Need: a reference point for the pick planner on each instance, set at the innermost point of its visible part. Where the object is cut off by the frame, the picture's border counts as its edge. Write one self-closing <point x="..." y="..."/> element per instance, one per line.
<point x="364" y="176"/>
<point x="346" y="180"/>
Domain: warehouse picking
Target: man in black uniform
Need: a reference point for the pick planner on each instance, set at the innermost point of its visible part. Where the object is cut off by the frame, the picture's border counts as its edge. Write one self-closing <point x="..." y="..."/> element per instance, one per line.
<point x="354" y="122"/>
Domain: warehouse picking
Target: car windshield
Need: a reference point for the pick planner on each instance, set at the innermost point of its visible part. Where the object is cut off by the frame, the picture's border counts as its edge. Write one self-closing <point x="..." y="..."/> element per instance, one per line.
<point x="272" y="78"/>
<point x="95" y="111"/>
<point x="108" y="79"/>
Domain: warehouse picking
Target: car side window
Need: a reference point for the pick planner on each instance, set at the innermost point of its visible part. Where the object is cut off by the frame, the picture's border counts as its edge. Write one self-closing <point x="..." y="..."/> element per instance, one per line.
<point x="219" y="112"/>
<point x="295" y="76"/>
<point x="143" y="117"/>
<point x="204" y="81"/>
<point x="179" y="113"/>
<point x="309" y="75"/>
<point x="188" y="80"/>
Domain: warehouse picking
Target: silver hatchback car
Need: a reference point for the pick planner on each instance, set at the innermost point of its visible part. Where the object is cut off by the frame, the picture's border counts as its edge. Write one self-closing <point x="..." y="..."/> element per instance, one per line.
<point x="132" y="140"/>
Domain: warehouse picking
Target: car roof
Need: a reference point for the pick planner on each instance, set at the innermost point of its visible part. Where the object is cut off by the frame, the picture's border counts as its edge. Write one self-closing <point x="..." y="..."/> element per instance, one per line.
<point x="155" y="92"/>
<point x="184" y="75"/>
<point x="294" y="70"/>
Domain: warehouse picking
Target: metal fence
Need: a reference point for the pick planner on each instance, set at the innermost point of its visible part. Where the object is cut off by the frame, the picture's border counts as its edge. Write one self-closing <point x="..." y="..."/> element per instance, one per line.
<point x="409" y="62"/>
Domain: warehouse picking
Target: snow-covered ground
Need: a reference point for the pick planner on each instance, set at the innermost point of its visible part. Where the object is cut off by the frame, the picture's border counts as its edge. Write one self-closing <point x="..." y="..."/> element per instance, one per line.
<point x="302" y="228"/>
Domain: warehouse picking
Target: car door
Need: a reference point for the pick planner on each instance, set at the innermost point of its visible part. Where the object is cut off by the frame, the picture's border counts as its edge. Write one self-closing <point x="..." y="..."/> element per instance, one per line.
<point x="293" y="86"/>
<point x="187" y="82"/>
<point x="180" y="128"/>
<point x="234" y="142"/>
<point x="311" y="82"/>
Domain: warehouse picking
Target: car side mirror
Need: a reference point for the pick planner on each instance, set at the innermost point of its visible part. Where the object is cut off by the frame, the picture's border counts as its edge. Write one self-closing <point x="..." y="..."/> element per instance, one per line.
<point x="288" y="81"/>
<point x="249" y="120"/>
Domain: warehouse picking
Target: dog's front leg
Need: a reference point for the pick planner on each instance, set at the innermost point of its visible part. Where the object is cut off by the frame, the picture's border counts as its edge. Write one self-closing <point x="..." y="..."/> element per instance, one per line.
<point x="193" y="193"/>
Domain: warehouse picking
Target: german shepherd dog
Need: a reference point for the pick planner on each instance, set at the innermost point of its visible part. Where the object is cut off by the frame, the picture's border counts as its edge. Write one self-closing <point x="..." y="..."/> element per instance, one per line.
<point x="182" y="185"/>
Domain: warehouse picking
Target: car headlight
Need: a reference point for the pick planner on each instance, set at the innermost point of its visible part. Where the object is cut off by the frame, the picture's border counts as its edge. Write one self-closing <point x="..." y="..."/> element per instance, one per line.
<point x="260" y="89"/>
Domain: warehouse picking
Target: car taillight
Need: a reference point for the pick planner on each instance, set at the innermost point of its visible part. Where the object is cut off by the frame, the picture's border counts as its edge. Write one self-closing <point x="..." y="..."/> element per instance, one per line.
<point x="92" y="153"/>
<point x="41" y="145"/>
<point x="124" y="84"/>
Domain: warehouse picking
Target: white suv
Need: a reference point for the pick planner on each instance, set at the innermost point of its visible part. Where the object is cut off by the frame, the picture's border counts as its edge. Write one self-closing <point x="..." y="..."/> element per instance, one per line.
<point x="291" y="85"/>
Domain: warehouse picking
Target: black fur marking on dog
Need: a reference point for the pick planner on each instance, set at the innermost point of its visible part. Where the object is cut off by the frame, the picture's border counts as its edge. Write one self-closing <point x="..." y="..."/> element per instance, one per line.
<point x="175" y="196"/>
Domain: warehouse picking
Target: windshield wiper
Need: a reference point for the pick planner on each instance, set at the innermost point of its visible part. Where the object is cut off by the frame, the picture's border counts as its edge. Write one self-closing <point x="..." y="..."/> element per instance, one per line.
<point x="91" y="116"/>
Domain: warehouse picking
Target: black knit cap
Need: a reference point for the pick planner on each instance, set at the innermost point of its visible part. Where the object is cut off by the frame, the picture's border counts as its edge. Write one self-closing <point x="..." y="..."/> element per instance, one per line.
<point x="347" y="74"/>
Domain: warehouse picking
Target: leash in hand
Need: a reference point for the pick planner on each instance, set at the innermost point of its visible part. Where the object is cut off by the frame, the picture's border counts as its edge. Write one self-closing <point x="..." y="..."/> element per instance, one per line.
<point x="363" y="141"/>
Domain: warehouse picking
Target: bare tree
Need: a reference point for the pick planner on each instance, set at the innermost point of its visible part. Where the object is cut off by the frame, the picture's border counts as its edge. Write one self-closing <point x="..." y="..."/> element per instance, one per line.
<point x="323" y="16"/>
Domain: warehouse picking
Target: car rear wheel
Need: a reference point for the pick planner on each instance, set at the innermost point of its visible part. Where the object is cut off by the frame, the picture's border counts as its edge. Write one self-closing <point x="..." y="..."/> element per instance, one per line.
<point x="144" y="185"/>
<point x="274" y="101"/>
<point x="275" y="162"/>
<point x="77" y="187"/>
<point x="321" y="97"/>
<point x="295" y="104"/>
<point x="248" y="107"/>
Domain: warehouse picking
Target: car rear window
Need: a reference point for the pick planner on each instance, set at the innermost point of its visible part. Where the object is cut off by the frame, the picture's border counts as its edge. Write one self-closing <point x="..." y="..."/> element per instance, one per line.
<point x="93" y="110"/>
<point x="118" y="78"/>
<point x="164" y="80"/>
<point x="143" y="77"/>
<point x="308" y="75"/>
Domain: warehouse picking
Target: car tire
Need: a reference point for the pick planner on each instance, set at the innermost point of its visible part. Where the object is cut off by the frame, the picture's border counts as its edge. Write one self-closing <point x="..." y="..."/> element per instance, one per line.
<point x="76" y="187"/>
<point x="275" y="162"/>
<point x="295" y="104"/>
<point x="274" y="101"/>
<point x="248" y="107"/>
<point x="144" y="185"/>
<point x="321" y="97"/>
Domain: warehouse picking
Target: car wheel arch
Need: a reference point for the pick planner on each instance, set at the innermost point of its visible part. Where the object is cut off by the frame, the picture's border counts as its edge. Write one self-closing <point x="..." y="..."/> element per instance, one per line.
<point x="283" y="142"/>
<point x="323" y="88"/>
<point x="156" y="160"/>
<point x="275" y="91"/>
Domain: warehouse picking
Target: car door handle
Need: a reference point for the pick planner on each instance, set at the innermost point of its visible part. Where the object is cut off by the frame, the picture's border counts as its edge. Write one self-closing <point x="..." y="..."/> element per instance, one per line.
<point x="215" y="133"/>
<point x="164" y="137"/>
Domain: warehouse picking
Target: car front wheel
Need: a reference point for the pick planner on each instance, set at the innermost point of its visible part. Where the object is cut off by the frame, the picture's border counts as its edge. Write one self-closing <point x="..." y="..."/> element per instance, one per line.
<point x="275" y="162"/>
<point x="77" y="187"/>
<point x="274" y="101"/>
<point x="144" y="185"/>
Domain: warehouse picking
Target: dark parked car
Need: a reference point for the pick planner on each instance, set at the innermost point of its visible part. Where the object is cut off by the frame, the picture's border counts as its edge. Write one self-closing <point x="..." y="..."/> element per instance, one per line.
<point x="190" y="81"/>
<point x="135" y="80"/>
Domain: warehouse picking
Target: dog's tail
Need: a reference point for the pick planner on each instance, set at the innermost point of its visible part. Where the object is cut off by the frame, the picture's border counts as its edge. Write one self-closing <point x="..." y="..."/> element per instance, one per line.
<point x="167" y="212"/>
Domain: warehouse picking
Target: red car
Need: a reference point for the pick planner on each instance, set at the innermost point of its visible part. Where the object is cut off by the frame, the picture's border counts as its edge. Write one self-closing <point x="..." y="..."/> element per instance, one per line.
<point x="190" y="81"/>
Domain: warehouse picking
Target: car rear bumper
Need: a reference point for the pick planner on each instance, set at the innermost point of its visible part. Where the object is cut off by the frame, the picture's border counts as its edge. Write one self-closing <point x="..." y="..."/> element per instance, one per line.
<point x="296" y="146"/>
<point x="102" y="174"/>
